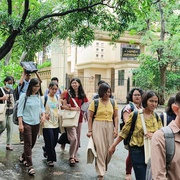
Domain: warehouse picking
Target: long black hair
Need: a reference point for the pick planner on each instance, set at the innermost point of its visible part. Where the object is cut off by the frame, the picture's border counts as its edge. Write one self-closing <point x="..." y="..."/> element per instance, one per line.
<point x="81" y="93"/>
<point x="33" y="82"/>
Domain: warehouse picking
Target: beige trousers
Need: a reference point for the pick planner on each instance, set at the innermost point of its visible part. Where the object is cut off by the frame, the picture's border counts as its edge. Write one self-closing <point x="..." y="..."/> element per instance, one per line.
<point x="103" y="139"/>
<point x="74" y="135"/>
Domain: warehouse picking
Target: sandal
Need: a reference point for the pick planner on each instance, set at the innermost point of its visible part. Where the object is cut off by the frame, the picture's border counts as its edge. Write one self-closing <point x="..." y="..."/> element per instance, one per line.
<point x="21" y="159"/>
<point x="25" y="164"/>
<point x="9" y="148"/>
<point x="31" y="171"/>
<point x="100" y="178"/>
<point x="72" y="162"/>
<point x="50" y="163"/>
<point x="128" y="177"/>
<point x="76" y="160"/>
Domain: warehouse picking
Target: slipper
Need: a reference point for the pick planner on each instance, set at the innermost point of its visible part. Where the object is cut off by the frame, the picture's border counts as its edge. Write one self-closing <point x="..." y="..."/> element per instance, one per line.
<point x="31" y="171"/>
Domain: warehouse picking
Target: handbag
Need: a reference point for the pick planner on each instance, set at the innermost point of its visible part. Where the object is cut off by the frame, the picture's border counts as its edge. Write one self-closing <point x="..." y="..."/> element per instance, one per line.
<point x="70" y="118"/>
<point x="3" y="108"/>
<point x="91" y="152"/>
<point x="147" y="141"/>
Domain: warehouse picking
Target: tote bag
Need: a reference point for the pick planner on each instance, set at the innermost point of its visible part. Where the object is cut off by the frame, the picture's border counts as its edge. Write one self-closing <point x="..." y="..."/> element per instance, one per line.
<point x="3" y="108"/>
<point x="70" y="118"/>
<point x="147" y="141"/>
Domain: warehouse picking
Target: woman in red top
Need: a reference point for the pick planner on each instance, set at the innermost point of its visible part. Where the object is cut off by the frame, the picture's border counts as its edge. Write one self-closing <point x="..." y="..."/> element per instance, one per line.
<point x="77" y="92"/>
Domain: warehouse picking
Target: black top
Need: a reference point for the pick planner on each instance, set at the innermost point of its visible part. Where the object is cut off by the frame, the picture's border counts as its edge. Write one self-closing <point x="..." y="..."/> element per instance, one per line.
<point x="10" y="100"/>
<point x="170" y="117"/>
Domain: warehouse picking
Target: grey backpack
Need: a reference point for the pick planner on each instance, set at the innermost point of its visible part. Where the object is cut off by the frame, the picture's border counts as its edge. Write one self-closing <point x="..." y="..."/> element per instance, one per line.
<point x="170" y="149"/>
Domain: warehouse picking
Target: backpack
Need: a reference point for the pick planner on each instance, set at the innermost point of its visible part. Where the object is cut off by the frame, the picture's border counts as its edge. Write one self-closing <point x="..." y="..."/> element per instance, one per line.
<point x="96" y="103"/>
<point x="16" y="92"/>
<point x="15" y="110"/>
<point x="170" y="150"/>
<point x="122" y="123"/>
<point x="134" y="118"/>
<point x="46" y="98"/>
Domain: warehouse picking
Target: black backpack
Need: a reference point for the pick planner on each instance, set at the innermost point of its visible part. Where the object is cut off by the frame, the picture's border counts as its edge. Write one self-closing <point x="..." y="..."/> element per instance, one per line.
<point x="96" y="103"/>
<point x="16" y="92"/>
<point x="122" y="123"/>
<point x="134" y="118"/>
<point x="15" y="110"/>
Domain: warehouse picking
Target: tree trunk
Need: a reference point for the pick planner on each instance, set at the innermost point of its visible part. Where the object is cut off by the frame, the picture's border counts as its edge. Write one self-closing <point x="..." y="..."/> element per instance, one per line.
<point x="162" y="85"/>
<point x="44" y="54"/>
<point x="7" y="58"/>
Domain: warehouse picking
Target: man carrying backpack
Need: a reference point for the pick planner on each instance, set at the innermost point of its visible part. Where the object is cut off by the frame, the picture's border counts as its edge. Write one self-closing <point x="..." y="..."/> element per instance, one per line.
<point x="159" y="157"/>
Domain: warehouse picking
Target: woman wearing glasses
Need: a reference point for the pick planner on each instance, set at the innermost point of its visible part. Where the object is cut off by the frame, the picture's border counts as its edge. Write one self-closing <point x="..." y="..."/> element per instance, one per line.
<point x="135" y="99"/>
<point x="136" y="145"/>
<point x="30" y="113"/>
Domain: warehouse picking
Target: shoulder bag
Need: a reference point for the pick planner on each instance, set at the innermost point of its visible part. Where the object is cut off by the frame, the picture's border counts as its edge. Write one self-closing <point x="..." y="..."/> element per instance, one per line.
<point x="70" y="118"/>
<point x="147" y="141"/>
<point x="3" y="108"/>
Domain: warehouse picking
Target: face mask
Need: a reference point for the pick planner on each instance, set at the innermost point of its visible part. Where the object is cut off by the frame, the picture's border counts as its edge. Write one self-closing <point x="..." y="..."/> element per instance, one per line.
<point x="9" y="86"/>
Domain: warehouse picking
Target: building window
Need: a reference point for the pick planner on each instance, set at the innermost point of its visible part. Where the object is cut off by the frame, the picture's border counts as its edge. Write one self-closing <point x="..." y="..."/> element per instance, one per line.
<point x="97" y="49"/>
<point x="97" y="55"/>
<point x="121" y="78"/>
<point x="102" y="56"/>
<point x="97" y="44"/>
<point x="133" y="80"/>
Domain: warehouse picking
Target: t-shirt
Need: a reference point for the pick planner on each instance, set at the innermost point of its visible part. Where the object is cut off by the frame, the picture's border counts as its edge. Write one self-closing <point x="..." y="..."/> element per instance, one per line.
<point x="52" y="109"/>
<point x="10" y="100"/>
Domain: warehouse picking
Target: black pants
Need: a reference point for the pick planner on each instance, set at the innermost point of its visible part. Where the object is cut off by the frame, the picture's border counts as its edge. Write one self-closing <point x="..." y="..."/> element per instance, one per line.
<point x="50" y="138"/>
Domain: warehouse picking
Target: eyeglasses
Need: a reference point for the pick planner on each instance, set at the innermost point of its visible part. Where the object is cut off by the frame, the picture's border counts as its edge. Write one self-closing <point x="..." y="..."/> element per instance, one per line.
<point x="136" y="94"/>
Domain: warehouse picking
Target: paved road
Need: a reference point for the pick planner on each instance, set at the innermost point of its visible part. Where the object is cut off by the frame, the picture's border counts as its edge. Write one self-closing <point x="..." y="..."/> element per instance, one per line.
<point x="11" y="169"/>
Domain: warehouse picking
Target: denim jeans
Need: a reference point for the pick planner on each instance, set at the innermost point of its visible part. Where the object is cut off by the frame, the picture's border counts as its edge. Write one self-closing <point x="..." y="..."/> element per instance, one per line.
<point x="138" y="162"/>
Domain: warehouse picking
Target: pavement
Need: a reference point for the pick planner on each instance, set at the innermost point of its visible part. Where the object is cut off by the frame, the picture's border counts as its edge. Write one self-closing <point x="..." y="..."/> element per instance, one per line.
<point x="11" y="169"/>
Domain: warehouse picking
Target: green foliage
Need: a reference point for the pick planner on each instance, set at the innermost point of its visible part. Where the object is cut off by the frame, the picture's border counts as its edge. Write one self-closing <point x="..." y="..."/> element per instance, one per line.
<point x="45" y="64"/>
<point x="12" y="69"/>
<point x="159" y="26"/>
<point x="147" y="75"/>
<point x="72" y="19"/>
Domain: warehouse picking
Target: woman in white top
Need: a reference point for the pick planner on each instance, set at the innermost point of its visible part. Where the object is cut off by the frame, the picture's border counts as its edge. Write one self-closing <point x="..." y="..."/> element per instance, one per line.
<point x="51" y="126"/>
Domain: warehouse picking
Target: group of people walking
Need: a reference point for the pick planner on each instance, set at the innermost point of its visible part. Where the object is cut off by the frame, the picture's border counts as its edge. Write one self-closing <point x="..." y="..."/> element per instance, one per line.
<point x="35" y="112"/>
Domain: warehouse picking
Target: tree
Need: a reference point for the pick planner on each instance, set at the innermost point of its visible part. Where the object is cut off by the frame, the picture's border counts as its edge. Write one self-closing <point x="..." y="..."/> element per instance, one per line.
<point x="33" y="24"/>
<point x="159" y="25"/>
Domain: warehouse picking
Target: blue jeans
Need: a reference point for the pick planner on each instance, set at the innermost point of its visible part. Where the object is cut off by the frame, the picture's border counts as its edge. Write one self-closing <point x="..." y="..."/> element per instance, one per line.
<point x="138" y="162"/>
